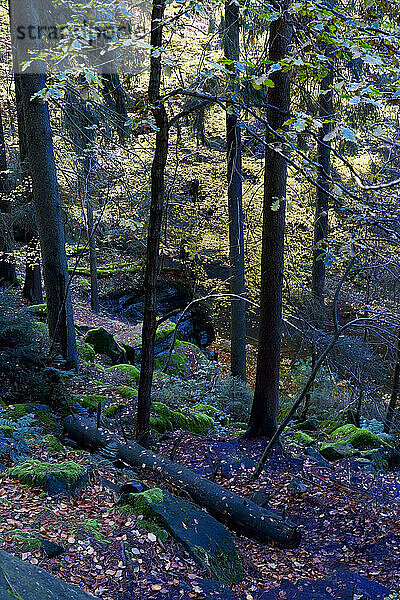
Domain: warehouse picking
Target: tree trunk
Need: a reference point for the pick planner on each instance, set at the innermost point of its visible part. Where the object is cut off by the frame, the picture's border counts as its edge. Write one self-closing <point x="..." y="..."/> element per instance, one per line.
<point x="32" y="290"/>
<point x="264" y="413"/>
<point x="8" y="274"/>
<point x="48" y="213"/>
<point x="325" y="113"/>
<point x="234" y="173"/>
<point x="395" y="391"/>
<point x="154" y="227"/>
<point x="238" y="513"/>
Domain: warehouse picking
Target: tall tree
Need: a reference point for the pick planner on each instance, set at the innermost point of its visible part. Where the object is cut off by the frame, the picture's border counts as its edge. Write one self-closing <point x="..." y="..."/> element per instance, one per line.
<point x="7" y="266"/>
<point x="32" y="289"/>
<point x="235" y="206"/>
<point x="42" y="168"/>
<point x="395" y="390"/>
<point x="80" y="121"/>
<point x="264" y="412"/>
<point x="155" y="222"/>
<point x="49" y="219"/>
<point x="325" y="113"/>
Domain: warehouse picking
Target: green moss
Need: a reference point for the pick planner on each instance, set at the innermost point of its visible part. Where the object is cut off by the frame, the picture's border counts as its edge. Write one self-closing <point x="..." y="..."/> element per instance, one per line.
<point x="362" y="439"/>
<point x="47" y="420"/>
<point x="207" y="409"/>
<point x="90" y="401"/>
<point x="213" y="412"/>
<point x="303" y="438"/>
<point x="33" y="472"/>
<point x="85" y="352"/>
<point x="337" y="450"/>
<point x="110" y="411"/>
<point x="29" y="542"/>
<point x="164" y="333"/>
<point x="38" y="309"/>
<point x="329" y="427"/>
<point x="52" y="443"/>
<point x="140" y="505"/>
<point x="178" y="363"/>
<point x="129" y="370"/>
<point x="17" y="411"/>
<point x="169" y="420"/>
<point x="127" y="392"/>
<point x="345" y="431"/>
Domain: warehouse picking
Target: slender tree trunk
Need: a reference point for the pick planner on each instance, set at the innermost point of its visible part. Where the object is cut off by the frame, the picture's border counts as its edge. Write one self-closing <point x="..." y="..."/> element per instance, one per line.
<point x="235" y="207"/>
<point x="154" y="227"/>
<point x="264" y="413"/>
<point x="395" y="391"/>
<point x="8" y="274"/>
<point x="49" y="220"/>
<point x="32" y="290"/>
<point x="89" y="162"/>
<point x="325" y="113"/>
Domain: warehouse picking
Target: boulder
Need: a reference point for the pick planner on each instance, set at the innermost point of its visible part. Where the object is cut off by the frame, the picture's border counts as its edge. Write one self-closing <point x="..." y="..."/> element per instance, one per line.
<point x="104" y="343"/>
<point x="171" y="420"/>
<point x="209" y="542"/>
<point x="85" y="352"/>
<point x="337" y="451"/>
<point x="129" y="370"/>
<point x="20" y="579"/>
<point x="54" y="479"/>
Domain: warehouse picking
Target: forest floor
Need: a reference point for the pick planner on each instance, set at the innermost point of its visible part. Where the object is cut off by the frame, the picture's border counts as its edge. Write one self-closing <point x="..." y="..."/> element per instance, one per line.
<point x="349" y="518"/>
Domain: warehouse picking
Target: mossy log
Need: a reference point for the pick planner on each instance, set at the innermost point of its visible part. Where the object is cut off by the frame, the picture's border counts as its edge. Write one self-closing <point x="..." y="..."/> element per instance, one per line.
<point x="238" y="513"/>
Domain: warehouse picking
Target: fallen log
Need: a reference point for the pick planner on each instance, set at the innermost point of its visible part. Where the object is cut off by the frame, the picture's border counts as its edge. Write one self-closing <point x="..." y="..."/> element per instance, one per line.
<point x="238" y="513"/>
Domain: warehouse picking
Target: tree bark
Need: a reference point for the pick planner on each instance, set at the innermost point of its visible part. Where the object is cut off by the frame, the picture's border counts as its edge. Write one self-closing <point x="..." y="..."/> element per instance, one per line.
<point x="8" y="273"/>
<point x="238" y="513"/>
<point x="154" y="227"/>
<point x="264" y="413"/>
<point x="325" y="113"/>
<point x="235" y="202"/>
<point x="395" y="391"/>
<point x="48" y="213"/>
<point x="32" y="290"/>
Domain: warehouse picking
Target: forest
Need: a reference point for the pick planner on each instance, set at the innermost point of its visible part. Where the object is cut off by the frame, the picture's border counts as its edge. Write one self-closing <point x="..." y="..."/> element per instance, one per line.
<point x="200" y="299"/>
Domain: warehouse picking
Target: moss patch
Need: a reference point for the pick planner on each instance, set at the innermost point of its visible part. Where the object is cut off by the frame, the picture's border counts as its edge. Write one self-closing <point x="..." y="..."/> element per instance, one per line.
<point x="35" y="472"/>
<point x="132" y="372"/>
<point x="90" y="401"/>
<point x="85" y="352"/>
<point x="303" y="438"/>
<point x="169" y="420"/>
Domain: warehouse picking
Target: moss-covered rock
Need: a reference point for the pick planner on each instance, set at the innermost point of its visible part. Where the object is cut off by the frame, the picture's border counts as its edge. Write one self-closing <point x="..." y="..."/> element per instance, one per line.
<point x="110" y="411"/>
<point x="85" y="352"/>
<point x="343" y="432"/>
<point x="40" y="310"/>
<point x="215" y="413"/>
<point x="303" y="438"/>
<point x="361" y="439"/>
<point x="327" y="426"/>
<point x="132" y="372"/>
<point x="177" y="362"/>
<point x="337" y="451"/>
<point x="52" y="443"/>
<point x="53" y="478"/>
<point x="127" y="392"/>
<point x="208" y="541"/>
<point x="104" y="343"/>
<point x="90" y="401"/>
<point x="169" y="420"/>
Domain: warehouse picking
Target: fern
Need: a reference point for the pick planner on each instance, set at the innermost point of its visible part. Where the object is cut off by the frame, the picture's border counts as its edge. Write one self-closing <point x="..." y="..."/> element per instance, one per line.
<point x="17" y="436"/>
